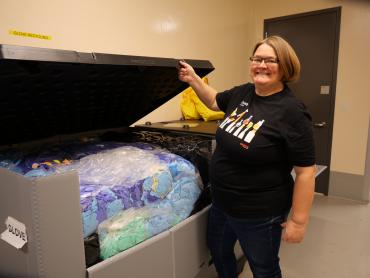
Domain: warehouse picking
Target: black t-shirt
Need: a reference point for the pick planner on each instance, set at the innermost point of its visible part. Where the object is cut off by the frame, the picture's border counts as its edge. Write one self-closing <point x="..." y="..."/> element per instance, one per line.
<point x="258" y="143"/>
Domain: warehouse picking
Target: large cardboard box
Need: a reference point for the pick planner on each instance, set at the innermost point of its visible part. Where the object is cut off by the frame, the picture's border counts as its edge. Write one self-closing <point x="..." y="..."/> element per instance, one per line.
<point x="54" y="95"/>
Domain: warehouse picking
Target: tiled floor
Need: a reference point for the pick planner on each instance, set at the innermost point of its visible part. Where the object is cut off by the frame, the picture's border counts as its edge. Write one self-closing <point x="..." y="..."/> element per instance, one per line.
<point x="337" y="243"/>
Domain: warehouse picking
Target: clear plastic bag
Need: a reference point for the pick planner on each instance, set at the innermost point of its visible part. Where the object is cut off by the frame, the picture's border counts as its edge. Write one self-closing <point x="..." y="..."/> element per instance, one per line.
<point x="118" y="166"/>
<point x="133" y="226"/>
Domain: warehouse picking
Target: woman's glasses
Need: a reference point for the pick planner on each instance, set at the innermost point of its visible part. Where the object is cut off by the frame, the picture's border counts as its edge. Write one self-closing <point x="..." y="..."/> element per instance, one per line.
<point x="267" y="60"/>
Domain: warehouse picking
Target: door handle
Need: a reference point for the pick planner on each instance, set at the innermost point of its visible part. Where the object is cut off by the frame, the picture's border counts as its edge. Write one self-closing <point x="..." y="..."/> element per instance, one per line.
<point x="322" y="124"/>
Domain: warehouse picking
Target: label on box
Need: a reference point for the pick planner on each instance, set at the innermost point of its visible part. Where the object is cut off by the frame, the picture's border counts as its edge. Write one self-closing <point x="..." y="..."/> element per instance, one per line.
<point x="15" y="233"/>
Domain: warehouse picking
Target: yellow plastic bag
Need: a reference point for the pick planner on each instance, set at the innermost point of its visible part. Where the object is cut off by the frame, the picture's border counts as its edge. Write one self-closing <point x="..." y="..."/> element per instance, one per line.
<point x="188" y="106"/>
<point x="193" y="108"/>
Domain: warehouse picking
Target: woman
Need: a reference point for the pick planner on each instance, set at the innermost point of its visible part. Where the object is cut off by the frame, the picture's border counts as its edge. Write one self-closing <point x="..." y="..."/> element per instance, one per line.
<point x="266" y="133"/>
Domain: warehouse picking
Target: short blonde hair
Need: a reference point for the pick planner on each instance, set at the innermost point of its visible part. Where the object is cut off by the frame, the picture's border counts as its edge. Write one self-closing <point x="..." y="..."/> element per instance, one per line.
<point x="288" y="59"/>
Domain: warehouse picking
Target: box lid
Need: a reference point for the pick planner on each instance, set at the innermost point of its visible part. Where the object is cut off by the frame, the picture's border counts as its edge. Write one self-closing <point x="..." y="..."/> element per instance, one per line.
<point x="49" y="92"/>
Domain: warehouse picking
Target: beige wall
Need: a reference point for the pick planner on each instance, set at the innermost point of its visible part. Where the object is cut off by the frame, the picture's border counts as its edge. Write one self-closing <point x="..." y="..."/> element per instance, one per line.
<point x="223" y="32"/>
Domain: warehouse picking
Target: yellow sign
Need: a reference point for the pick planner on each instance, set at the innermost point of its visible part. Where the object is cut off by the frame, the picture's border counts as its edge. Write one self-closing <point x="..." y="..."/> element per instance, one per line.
<point x="29" y="35"/>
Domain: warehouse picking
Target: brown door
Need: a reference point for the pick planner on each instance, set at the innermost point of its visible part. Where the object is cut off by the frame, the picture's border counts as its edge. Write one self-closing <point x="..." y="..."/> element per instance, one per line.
<point x="315" y="37"/>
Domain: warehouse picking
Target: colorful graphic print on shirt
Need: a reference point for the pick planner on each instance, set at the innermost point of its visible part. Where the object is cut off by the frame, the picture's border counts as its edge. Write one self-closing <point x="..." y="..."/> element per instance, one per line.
<point x="240" y="125"/>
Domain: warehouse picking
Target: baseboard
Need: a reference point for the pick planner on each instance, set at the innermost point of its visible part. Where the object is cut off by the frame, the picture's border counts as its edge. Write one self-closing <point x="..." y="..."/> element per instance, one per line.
<point x="348" y="186"/>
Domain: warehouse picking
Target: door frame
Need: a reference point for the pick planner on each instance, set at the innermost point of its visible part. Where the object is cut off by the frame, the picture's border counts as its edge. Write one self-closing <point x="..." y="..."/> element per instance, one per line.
<point x="337" y="12"/>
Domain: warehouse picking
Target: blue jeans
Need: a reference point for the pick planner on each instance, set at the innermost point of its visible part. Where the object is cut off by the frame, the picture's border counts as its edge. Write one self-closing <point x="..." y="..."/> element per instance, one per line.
<point x="259" y="239"/>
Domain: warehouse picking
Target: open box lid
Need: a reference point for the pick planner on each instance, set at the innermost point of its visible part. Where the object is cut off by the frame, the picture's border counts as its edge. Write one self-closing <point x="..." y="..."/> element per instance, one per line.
<point x="49" y="92"/>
